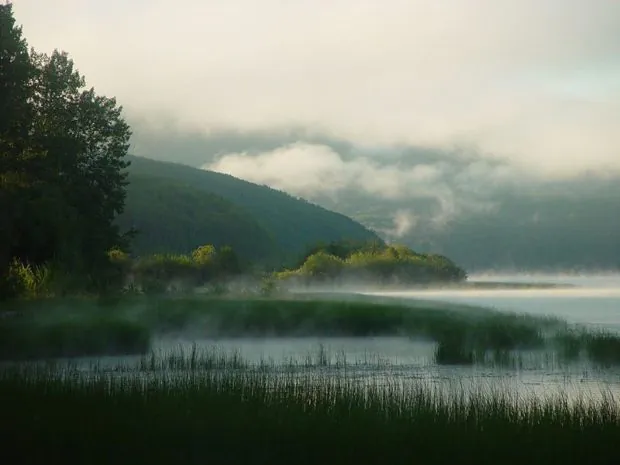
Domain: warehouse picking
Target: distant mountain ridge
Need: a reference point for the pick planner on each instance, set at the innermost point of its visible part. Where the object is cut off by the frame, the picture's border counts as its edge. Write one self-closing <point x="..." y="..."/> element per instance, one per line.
<point x="557" y="227"/>
<point x="534" y="223"/>
<point x="177" y="208"/>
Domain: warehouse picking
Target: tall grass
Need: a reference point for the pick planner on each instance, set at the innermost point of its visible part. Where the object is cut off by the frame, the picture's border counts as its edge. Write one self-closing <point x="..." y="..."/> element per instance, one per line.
<point x="64" y="332"/>
<point x="600" y="347"/>
<point x="464" y="335"/>
<point x="242" y="416"/>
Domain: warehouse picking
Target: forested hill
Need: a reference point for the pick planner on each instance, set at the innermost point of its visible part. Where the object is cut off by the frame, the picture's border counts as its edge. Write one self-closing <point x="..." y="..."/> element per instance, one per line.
<point x="177" y="208"/>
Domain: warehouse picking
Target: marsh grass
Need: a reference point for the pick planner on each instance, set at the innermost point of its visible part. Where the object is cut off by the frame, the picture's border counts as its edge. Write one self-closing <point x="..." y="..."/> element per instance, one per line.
<point x="22" y="337"/>
<point x="600" y="347"/>
<point x="480" y="329"/>
<point x="603" y="348"/>
<point x="464" y="335"/>
<point x="222" y="414"/>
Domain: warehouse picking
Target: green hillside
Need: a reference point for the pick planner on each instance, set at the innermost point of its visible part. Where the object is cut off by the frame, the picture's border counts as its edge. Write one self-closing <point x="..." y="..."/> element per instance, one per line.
<point x="177" y="208"/>
<point x="174" y="218"/>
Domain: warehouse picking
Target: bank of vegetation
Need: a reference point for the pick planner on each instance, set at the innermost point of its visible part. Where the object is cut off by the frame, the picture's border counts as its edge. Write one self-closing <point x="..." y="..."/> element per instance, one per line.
<point x="217" y="410"/>
<point x="372" y="264"/>
<point x="70" y="327"/>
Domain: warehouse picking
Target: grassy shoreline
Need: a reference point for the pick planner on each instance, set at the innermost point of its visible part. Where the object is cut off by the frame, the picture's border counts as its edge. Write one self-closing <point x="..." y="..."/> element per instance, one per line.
<point x="233" y="415"/>
<point x="345" y="289"/>
<point x="72" y="327"/>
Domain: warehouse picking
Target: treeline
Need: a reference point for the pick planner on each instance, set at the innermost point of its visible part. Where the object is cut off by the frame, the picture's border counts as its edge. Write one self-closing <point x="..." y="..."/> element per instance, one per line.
<point x="374" y="262"/>
<point x="219" y="270"/>
<point x="62" y="167"/>
<point x="149" y="274"/>
<point x="207" y="265"/>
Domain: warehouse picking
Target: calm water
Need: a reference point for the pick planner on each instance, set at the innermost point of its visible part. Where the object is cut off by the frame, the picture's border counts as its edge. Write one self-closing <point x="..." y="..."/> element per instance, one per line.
<point x="594" y="300"/>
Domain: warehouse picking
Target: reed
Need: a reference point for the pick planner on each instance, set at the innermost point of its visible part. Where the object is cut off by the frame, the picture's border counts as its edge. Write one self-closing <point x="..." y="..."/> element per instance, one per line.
<point x="225" y="413"/>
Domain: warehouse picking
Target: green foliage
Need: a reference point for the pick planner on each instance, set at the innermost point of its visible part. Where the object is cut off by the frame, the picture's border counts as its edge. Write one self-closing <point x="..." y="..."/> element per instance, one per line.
<point x="464" y="335"/>
<point x="601" y="347"/>
<point x="220" y="411"/>
<point x="378" y="264"/>
<point x="322" y="266"/>
<point x="70" y="329"/>
<point x="268" y="286"/>
<point x="305" y="316"/>
<point x="204" y="255"/>
<point x="62" y="164"/>
<point x="195" y="206"/>
<point x="15" y="156"/>
<point x="228" y="261"/>
<point x="342" y="249"/>
<point x="205" y="265"/>
<point x="30" y="281"/>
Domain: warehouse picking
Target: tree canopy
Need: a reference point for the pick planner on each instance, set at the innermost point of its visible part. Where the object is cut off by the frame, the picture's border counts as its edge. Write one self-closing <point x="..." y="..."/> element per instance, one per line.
<point x="356" y="262"/>
<point x="62" y="160"/>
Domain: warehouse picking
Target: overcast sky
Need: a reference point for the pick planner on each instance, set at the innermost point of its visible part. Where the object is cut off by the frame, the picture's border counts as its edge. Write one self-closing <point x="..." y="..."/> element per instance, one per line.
<point x="535" y="81"/>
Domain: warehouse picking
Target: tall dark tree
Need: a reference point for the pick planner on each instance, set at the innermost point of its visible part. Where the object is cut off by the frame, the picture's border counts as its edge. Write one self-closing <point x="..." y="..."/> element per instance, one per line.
<point x="16" y="74"/>
<point x="62" y="160"/>
<point x="85" y="140"/>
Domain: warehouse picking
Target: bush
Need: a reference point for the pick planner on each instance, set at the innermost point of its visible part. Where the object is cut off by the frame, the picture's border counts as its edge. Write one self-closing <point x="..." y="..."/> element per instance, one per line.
<point x="322" y="266"/>
<point x="396" y="264"/>
<point x="204" y="266"/>
<point x="24" y="280"/>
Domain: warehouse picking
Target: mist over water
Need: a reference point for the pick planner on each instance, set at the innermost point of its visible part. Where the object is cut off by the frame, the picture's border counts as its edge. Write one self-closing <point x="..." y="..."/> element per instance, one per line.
<point x="592" y="300"/>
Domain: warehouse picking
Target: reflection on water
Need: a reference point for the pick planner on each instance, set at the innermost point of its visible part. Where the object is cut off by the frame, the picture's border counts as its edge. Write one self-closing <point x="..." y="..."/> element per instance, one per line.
<point x="594" y="301"/>
<point x="388" y="361"/>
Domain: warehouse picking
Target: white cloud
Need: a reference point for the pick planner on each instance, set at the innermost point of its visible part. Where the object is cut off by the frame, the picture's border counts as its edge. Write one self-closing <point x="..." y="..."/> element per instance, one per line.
<point x="536" y="81"/>
<point x="310" y="170"/>
<point x="404" y="222"/>
<point x="299" y="168"/>
<point x="315" y="171"/>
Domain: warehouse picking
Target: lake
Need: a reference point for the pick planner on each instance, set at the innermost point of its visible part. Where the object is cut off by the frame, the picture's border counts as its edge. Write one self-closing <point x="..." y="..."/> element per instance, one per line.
<point x="593" y="301"/>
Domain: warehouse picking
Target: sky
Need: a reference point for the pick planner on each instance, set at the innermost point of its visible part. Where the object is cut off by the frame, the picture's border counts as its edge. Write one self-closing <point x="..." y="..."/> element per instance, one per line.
<point x="535" y="83"/>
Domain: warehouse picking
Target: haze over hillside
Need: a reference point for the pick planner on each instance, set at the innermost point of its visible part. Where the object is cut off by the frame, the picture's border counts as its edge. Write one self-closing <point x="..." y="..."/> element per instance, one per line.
<point x="483" y="214"/>
<point x="177" y="208"/>
<point x="484" y="130"/>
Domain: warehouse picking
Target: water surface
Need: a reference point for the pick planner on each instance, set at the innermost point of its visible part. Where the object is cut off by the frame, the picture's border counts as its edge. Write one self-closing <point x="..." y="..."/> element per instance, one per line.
<point x="594" y="300"/>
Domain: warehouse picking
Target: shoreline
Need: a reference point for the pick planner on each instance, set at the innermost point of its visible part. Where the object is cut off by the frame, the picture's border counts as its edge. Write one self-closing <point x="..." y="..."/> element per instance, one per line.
<point x="463" y="286"/>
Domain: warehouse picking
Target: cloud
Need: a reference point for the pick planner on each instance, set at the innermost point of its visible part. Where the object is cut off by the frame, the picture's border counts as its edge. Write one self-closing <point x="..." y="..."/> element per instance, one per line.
<point x="404" y="222"/>
<point x="299" y="168"/>
<point x="317" y="172"/>
<point x="536" y="82"/>
<point x="311" y="170"/>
